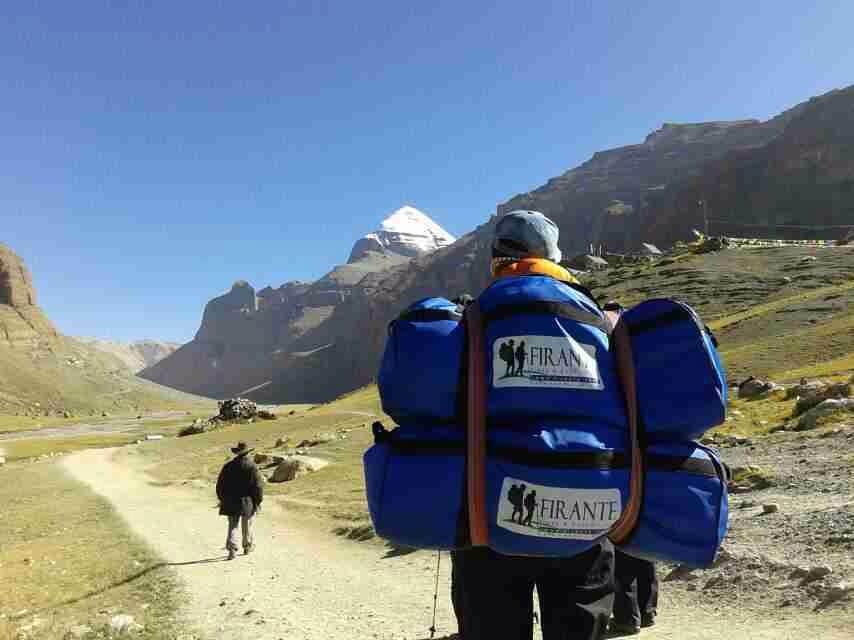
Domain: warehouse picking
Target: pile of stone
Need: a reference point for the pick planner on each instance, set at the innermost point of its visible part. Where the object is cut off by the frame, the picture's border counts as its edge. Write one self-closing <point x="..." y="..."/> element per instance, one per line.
<point x="237" y="409"/>
<point x="242" y="409"/>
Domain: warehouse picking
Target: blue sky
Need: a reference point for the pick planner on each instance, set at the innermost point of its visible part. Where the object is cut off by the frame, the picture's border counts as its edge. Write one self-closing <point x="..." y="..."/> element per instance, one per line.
<point x="154" y="152"/>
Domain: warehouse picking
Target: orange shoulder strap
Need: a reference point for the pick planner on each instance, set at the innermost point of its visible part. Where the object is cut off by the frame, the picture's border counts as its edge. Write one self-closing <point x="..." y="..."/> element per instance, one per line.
<point x="476" y="429"/>
<point x="621" y="341"/>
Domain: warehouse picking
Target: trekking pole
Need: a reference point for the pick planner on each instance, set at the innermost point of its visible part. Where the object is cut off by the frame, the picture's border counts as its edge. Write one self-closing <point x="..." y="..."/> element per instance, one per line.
<point x="436" y="595"/>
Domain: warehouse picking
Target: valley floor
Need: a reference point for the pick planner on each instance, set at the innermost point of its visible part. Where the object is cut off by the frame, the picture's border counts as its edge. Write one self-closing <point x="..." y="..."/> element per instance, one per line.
<point x="304" y="583"/>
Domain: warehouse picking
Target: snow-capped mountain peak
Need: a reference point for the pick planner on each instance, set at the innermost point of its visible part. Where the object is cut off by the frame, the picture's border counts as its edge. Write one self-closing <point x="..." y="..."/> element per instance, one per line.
<point x="406" y="232"/>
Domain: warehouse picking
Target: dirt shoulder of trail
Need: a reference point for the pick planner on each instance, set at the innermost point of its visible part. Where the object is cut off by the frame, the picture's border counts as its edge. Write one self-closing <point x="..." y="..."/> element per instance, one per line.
<point x="305" y="583"/>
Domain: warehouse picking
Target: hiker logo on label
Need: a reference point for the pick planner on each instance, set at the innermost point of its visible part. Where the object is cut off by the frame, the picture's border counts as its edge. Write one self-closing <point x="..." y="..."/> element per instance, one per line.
<point x="544" y="361"/>
<point x="556" y="512"/>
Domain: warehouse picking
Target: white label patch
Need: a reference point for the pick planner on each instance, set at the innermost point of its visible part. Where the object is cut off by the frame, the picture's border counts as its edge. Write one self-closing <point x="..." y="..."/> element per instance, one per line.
<point x="544" y="361"/>
<point x="555" y="512"/>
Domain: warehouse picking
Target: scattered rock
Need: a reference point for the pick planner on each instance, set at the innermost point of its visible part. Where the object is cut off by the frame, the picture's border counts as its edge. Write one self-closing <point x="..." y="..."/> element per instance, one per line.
<point x="836" y="593"/>
<point x="816" y="396"/>
<point x="749" y="478"/>
<point x="124" y="624"/>
<point x="827" y="408"/>
<point x="714" y="582"/>
<point x="293" y="467"/>
<point x="282" y="442"/>
<point x="754" y="388"/>
<point x="263" y="414"/>
<point x="318" y="438"/>
<point x="770" y="508"/>
<point x="816" y="573"/>
<point x="154" y="436"/>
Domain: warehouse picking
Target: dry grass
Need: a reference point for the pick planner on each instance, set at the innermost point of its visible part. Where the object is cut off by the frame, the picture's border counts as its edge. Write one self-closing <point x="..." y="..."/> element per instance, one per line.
<point x="776" y="305"/>
<point x="69" y="560"/>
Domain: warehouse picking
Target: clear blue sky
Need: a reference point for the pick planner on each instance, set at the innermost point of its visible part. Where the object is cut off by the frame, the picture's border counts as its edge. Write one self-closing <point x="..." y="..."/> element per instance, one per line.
<point x="154" y="152"/>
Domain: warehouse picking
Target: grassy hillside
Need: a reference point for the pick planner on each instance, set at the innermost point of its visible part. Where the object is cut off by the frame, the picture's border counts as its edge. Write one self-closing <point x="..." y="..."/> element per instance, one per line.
<point x="779" y="312"/>
<point x="63" y="375"/>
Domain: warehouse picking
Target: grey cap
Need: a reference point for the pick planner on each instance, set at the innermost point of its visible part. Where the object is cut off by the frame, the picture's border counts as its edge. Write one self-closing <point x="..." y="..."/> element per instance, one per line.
<point x="526" y="234"/>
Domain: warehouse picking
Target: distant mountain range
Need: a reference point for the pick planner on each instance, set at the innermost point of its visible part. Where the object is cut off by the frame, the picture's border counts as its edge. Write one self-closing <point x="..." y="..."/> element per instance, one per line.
<point x="791" y="176"/>
<point x="136" y="355"/>
<point x="247" y="337"/>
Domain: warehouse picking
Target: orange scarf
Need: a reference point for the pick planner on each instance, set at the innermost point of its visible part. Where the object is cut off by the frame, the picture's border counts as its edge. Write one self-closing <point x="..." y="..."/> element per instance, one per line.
<point x="504" y="268"/>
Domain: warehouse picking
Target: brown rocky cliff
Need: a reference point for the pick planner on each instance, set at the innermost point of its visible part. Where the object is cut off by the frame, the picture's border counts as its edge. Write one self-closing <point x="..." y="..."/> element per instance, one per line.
<point x="799" y="186"/>
<point x="22" y="322"/>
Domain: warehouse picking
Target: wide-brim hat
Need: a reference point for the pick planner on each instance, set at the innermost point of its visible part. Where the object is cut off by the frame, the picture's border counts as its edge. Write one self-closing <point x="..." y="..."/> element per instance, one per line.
<point x="241" y="448"/>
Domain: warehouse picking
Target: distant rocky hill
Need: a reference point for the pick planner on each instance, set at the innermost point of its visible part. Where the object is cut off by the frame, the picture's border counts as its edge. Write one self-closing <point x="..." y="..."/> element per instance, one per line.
<point x="136" y="355"/>
<point x="746" y="171"/>
<point x="45" y="373"/>
<point x="246" y="336"/>
<point x="22" y="322"/>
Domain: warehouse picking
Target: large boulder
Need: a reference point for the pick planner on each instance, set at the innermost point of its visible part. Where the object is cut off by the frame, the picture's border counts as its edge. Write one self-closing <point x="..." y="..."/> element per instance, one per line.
<point x="293" y="467"/>
<point x="832" y="407"/>
<point x="816" y="396"/>
<point x="754" y="388"/>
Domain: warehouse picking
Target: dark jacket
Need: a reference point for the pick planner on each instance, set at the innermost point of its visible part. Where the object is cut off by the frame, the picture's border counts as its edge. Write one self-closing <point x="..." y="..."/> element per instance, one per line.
<point x="239" y="488"/>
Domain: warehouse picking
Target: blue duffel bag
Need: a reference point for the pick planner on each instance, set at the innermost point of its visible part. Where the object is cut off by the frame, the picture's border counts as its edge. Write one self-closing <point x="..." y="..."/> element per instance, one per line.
<point x="553" y="493"/>
<point x="684" y="513"/>
<point x="419" y="372"/>
<point x="681" y="384"/>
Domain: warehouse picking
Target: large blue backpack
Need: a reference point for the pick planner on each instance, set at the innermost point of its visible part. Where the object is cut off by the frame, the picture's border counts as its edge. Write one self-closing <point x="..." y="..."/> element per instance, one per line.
<point x="559" y="468"/>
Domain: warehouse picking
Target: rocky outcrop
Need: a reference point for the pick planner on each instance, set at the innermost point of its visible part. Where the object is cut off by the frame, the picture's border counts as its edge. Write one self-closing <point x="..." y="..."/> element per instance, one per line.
<point x="798" y="185"/>
<point x="22" y="322"/>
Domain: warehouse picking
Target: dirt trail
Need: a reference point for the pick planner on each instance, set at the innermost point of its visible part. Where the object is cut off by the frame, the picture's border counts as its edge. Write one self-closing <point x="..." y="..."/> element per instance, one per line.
<point x="301" y="584"/>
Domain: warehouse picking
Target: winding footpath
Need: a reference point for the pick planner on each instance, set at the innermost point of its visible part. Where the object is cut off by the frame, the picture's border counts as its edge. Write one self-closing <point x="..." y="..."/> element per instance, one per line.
<point x="304" y="585"/>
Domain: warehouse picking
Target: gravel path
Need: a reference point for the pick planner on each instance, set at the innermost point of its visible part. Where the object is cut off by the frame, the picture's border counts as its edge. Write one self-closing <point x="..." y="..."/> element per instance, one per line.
<point x="306" y="584"/>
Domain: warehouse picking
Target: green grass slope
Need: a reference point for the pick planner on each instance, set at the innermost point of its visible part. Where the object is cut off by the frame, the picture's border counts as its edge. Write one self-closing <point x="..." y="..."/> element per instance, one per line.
<point x="63" y="375"/>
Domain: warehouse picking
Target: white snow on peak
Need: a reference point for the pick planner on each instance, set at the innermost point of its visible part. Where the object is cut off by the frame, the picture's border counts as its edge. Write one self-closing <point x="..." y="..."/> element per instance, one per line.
<point x="406" y="232"/>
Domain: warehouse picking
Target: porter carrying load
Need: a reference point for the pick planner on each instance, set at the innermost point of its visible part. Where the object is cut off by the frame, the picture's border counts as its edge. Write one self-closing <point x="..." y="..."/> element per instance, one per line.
<point x="522" y="427"/>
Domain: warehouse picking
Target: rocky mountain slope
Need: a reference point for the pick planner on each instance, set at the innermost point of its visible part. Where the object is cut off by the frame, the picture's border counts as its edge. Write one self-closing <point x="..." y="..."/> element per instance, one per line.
<point x="22" y="322"/>
<point x="799" y="185"/>
<point x="136" y="355"/>
<point x="248" y="335"/>
<point x="620" y="197"/>
<point x="45" y="373"/>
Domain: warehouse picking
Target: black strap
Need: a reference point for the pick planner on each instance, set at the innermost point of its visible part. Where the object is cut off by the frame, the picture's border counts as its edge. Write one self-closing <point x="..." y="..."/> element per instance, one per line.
<point x="430" y="315"/>
<point x="560" y="309"/>
<point x="601" y="460"/>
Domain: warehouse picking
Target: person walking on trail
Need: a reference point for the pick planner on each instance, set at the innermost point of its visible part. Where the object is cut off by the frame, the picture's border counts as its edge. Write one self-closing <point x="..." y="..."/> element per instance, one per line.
<point x="636" y="595"/>
<point x="493" y="594"/>
<point x="240" y="491"/>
